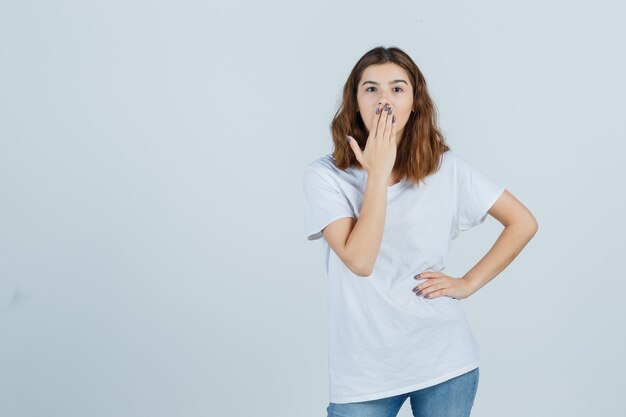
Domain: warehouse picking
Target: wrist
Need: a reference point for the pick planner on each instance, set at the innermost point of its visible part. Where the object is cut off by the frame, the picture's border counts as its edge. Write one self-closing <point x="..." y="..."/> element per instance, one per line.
<point x="470" y="284"/>
<point x="377" y="178"/>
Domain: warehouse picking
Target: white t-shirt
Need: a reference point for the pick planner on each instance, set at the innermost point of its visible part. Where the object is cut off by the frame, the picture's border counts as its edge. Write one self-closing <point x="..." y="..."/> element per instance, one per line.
<point x="383" y="339"/>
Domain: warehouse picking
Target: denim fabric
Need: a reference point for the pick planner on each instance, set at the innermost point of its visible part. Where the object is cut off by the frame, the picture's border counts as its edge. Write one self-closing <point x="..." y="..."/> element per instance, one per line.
<point x="451" y="398"/>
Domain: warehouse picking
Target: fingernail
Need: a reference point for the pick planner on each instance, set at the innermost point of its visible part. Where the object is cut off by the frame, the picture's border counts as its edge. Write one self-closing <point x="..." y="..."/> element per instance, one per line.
<point x="377" y="110"/>
<point x="348" y="139"/>
<point x="416" y="276"/>
<point x="393" y="119"/>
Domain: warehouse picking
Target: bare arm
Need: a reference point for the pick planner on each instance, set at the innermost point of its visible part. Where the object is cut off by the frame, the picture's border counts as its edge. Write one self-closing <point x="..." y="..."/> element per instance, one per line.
<point x="358" y="244"/>
<point x="519" y="228"/>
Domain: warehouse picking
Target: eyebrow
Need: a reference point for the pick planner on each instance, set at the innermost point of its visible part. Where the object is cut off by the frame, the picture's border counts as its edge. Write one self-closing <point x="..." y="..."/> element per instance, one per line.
<point x="391" y="82"/>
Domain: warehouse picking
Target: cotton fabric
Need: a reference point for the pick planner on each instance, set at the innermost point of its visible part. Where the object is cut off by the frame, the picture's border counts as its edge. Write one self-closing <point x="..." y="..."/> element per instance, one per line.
<point x="383" y="339"/>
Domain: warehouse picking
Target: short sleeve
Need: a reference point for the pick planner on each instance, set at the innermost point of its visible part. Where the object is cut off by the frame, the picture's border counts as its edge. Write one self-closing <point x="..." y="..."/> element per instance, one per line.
<point x="323" y="203"/>
<point x="475" y="193"/>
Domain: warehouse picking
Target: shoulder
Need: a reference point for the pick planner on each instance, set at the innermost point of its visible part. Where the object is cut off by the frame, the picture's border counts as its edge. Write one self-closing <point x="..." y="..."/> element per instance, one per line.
<point x="322" y="163"/>
<point x="323" y="167"/>
<point x="447" y="162"/>
<point x="450" y="157"/>
<point x="324" y="172"/>
<point x="455" y="161"/>
<point x="318" y="171"/>
<point x="455" y="166"/>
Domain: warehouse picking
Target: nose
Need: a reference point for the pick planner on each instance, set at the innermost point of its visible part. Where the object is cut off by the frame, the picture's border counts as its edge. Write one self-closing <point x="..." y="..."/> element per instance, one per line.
<point x="383" y="102"/>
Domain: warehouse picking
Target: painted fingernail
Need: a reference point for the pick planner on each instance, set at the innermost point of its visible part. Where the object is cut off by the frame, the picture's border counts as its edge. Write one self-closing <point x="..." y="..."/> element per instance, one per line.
<point x="390" y="110"/>
<point x="393" y="119"/>
<point x="418" y="275"/>
<point x="377" y="110"/>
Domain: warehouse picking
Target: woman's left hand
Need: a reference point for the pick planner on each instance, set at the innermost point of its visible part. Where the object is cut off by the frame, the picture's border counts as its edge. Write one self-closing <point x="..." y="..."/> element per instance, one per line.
<point x="439" y="284"/>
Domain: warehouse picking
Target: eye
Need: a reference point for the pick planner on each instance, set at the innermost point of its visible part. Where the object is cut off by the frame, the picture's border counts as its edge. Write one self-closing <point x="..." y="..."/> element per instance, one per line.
<point x="368" y="89"/>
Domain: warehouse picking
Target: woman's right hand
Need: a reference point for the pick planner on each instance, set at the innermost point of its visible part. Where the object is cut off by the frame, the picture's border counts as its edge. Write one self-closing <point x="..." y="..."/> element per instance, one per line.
<point x="379" y="155"/>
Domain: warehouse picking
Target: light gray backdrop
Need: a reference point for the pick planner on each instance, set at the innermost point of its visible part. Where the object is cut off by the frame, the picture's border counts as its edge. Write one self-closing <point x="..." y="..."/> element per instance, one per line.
<point x="153" y="259"/>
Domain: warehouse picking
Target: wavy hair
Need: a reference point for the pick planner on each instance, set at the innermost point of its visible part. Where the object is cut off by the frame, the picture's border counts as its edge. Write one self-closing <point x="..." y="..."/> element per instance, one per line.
<point x="422" y="143"/>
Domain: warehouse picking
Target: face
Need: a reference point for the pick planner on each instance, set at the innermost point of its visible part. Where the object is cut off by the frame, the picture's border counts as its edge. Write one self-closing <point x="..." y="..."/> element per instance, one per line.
<point x="385" y="83"/>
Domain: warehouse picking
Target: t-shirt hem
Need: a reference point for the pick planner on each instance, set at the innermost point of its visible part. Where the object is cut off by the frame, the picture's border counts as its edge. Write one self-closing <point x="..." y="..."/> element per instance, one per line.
<point x="410" y="388"/>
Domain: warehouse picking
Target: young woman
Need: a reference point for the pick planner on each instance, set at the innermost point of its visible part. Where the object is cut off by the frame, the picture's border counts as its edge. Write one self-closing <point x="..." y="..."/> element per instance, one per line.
<point x="389" y="201"/>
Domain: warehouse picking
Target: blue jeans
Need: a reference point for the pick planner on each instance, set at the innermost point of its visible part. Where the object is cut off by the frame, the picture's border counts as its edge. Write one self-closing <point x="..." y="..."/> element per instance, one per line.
<point x="451" y="398"/>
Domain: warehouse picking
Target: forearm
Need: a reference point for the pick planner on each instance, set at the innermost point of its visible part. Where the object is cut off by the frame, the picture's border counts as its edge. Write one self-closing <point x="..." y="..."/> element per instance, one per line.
<point x="364" y="241"/>
<point x="506" y="248"/>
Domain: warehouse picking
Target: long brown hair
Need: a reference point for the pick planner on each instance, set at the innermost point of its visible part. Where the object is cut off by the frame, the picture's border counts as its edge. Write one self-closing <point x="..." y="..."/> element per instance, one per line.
<point x="419" y="151"/>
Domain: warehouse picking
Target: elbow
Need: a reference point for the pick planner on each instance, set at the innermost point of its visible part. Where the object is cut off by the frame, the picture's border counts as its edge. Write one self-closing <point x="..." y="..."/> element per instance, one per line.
<point x="527" y="226"/>
<point x="361" y="270"/>
<point x="358" y="263"/>
<point x="533" y="226"/>
<point x="362" y="273"/>
<point x="358" y="266"/>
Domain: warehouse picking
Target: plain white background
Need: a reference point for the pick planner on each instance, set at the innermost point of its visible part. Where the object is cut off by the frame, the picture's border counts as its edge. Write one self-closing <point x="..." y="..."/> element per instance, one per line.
<point x="152" y="252"/>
